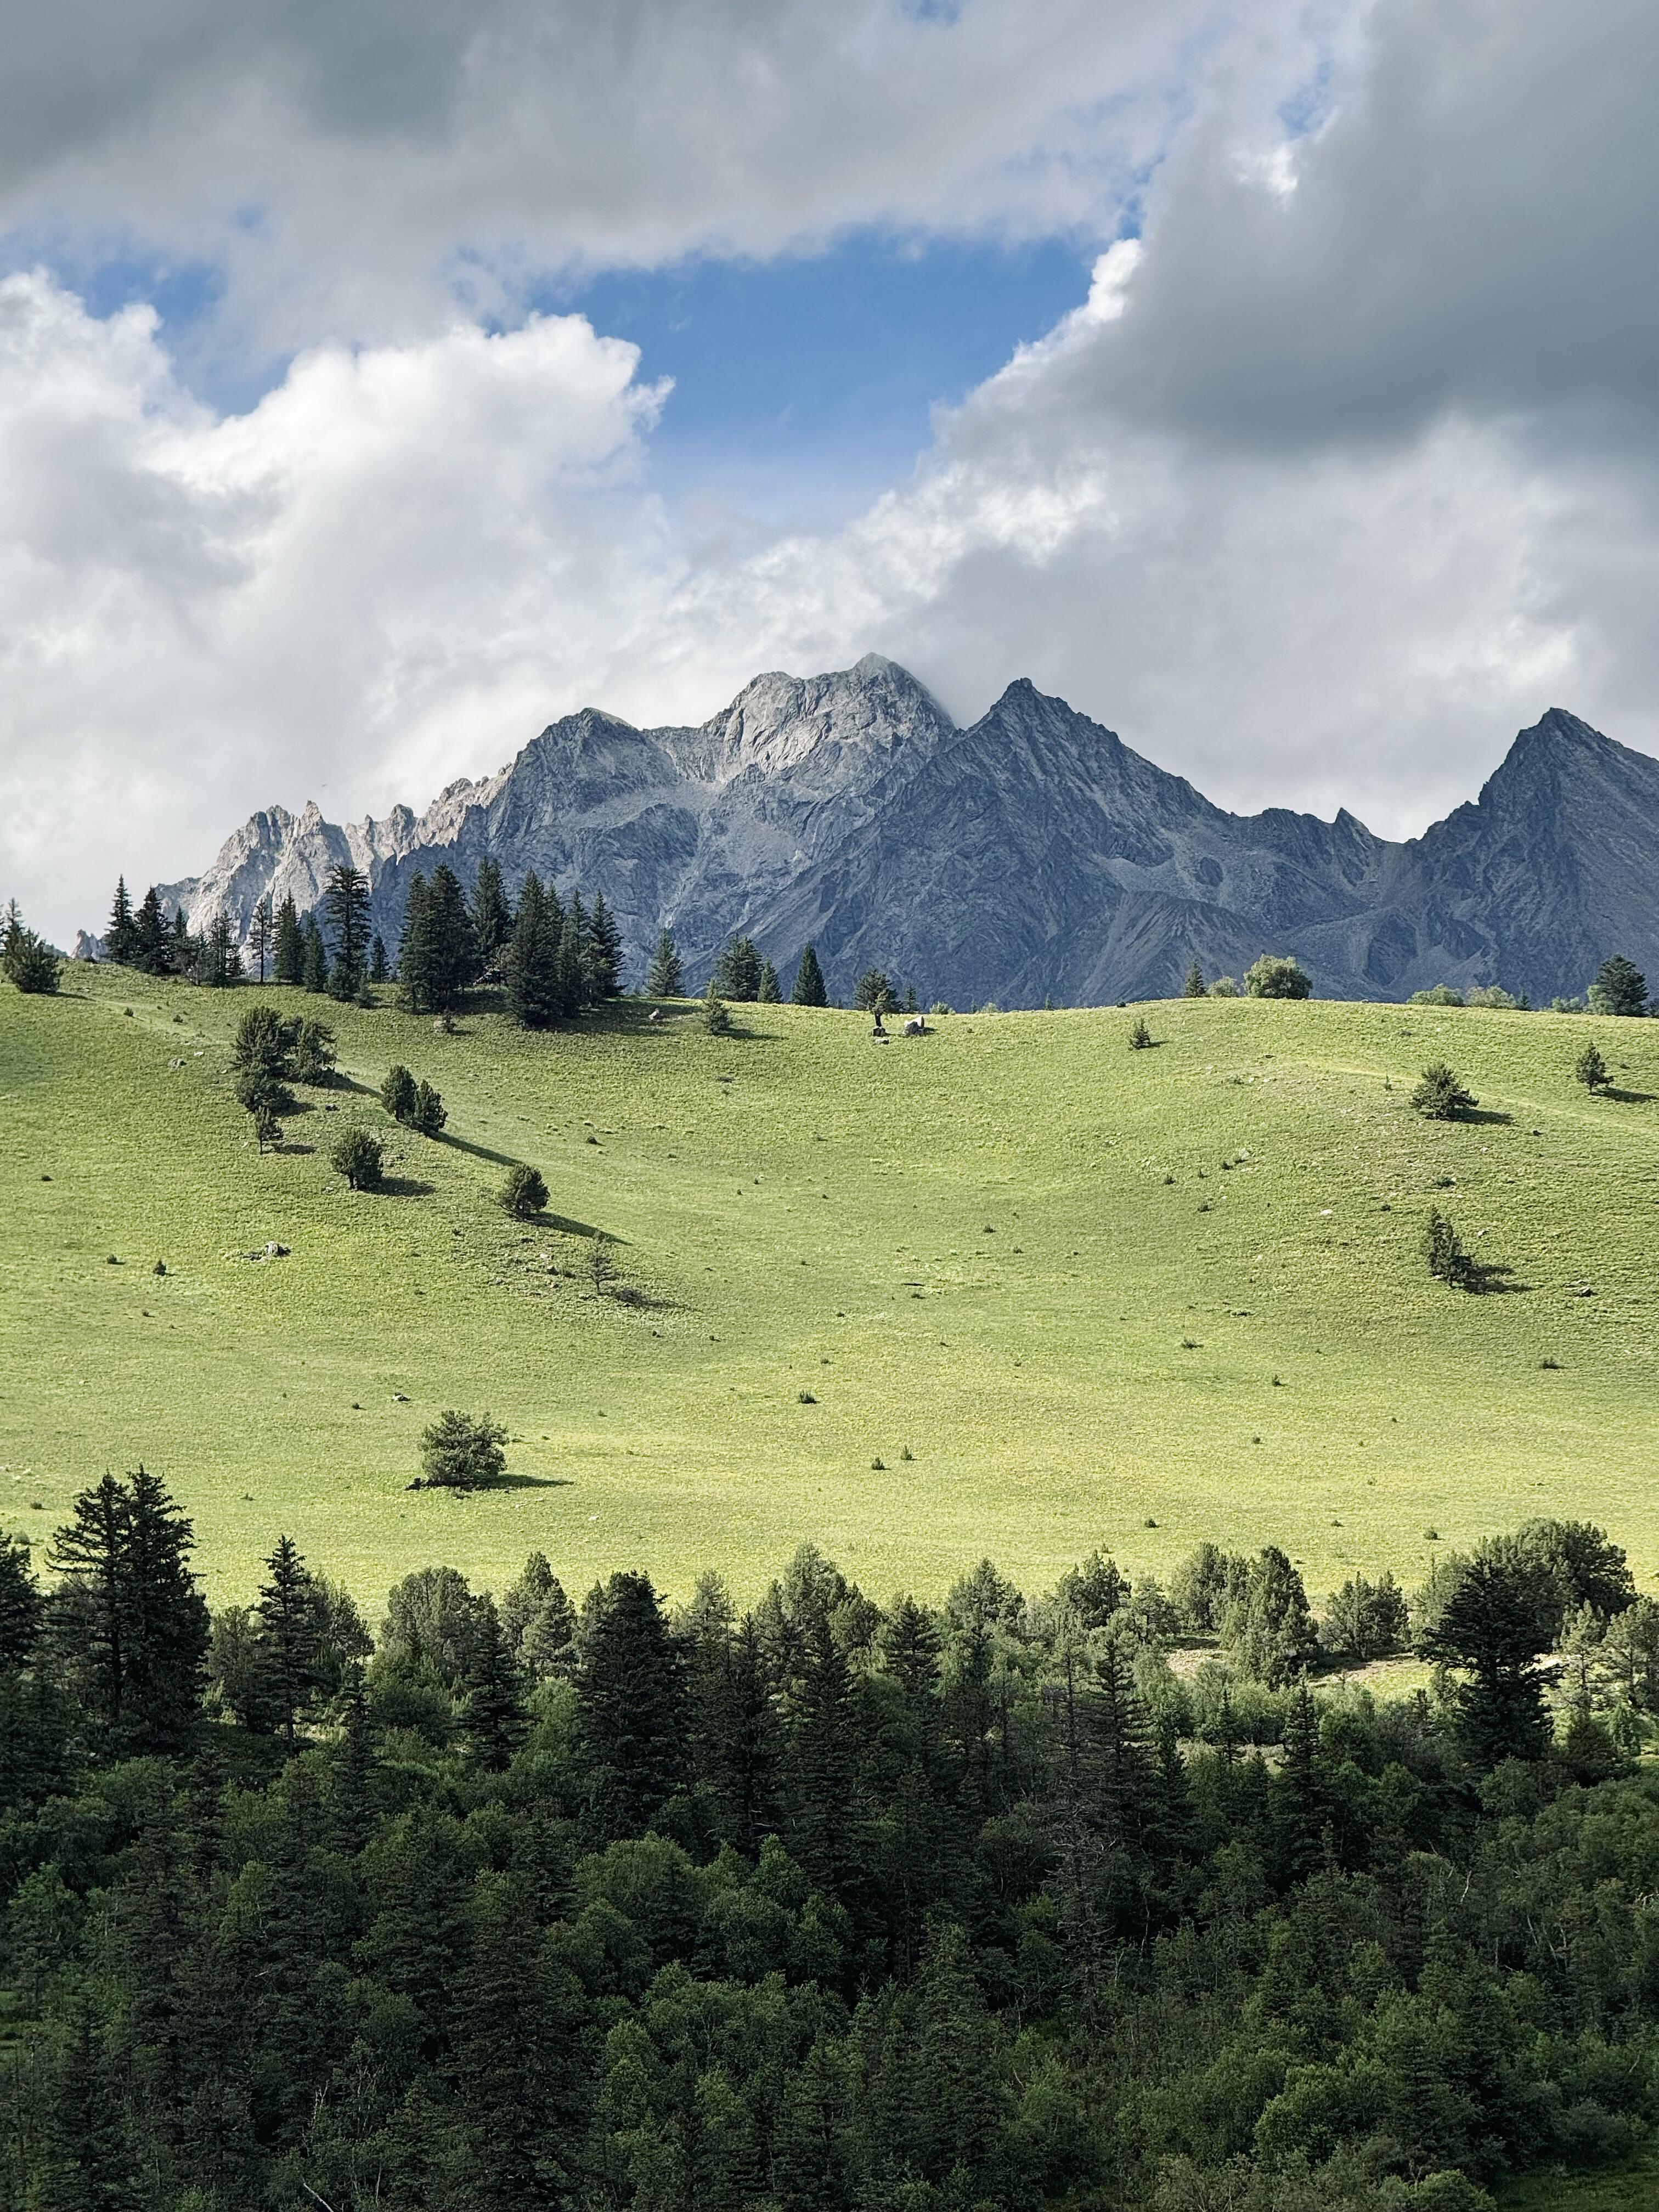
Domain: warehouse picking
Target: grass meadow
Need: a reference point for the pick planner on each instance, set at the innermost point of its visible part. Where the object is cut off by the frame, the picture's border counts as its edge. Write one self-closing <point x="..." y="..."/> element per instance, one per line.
<point x="1065" y="1293"/>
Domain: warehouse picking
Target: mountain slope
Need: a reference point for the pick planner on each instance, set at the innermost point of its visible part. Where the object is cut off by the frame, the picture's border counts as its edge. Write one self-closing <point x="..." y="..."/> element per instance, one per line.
<point x="1032" y="855"/>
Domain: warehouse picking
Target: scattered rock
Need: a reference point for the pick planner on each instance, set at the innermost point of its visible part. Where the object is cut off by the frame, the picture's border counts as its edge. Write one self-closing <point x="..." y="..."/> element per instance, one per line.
<point x="160" y="1269"/>
<point x="416" y="1485"/>
<point x="113" y="1260"/>
<point x="275" y="1251"/>
<point x="400" y="1398"/>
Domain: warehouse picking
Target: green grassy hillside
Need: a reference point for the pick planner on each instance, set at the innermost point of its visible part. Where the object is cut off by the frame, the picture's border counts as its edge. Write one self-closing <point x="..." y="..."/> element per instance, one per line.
<point x="1064" y="1276"/>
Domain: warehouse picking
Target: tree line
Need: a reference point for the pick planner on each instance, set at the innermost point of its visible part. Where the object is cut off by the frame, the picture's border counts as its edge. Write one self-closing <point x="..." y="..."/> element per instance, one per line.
<point x="819" y="1905"/>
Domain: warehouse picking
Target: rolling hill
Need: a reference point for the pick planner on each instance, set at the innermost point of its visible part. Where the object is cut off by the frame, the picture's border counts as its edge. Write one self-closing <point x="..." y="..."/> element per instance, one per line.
<point x="1098" y="1296"/>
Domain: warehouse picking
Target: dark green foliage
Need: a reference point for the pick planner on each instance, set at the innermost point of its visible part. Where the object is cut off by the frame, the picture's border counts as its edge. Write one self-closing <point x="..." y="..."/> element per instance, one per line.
<point x="262" y="936"/>
<point x="262" y="1059"/>
<point x="358" y="1155"/>
<point x="1193" y="987"/>
<point x="460" y="1451"/>
<point x="127" y="1614"/>
<point x="874" y="994"/>
<point x="346" y="911"/>
<point x="738" y="972"/>
<point x="1619" y="988"/>
<point x="1448" y="1262"/>
<point x="152" y="940"/>
<point x="267" y="1128"/>
<point x="217" y="964"/>
<point x="1496" y="1624"/>
<point x="716" y="1019"/>
<point x="25" y="959"/>
<point x="524" y="1194"/>
<point x="1276" y="976"/>
<point x="289" y="949"/>
<point x="437" y="951"/>
<point x="823" y="1905"/>
<point x="534" y="992"/>
<point x="314" y="1052"/>
<point x="630" y="1701"/>
<point x="313" y="957"/>
<point x="1591" y="1069"/>
<point x="603" y="953"/>
<point x="398" y="1093"/>
<point x="1267" y="1625"/>
<point x="1364" y="1620"/>
<point x="768" y="994"/>
<point x="21" y="1606"/>
<point x="492" y="917"/>
<point x="120" y="937"/>
<point x="377" y="967"/>
<point x="809" y="988"/>
<point x="666" y="978"/>
<point x="428" y="1116"/>
<point x="1440" y="1096"/>
<point x="1140" y="1036"/>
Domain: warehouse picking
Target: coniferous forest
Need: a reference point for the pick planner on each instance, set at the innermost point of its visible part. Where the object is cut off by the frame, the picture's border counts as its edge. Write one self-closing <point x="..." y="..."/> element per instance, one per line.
<point x="523" y="1902"/>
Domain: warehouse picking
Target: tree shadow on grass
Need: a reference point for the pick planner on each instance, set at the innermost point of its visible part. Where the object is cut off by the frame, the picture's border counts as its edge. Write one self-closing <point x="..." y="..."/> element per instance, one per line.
<point x="403" y="1187"/>
<point x="1629" y="1098"/>
<point x="1485" y="1115"/>
<point x="1490" y="1279"/>
<point x="502" y="1482"/>
<point x="478" y="1151"/>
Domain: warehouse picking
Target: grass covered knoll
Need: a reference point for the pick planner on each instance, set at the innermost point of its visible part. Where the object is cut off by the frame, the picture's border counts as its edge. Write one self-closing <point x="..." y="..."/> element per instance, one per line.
<point x="1100" y="1297"/>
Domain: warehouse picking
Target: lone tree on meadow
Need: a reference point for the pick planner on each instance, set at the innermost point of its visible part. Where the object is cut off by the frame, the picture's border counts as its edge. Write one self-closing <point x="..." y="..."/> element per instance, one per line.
<point x="1277" y="976"/>
<point x="875" y="994"/>
<point x="360" y="1157"/>
<point x="666" y="978"/>
<point x="26" y="960"/>
<point x="460" y="1451"/>
<point x="809" y="989"/>
<point x="398" y="1094"/>
<point x="1193" y="987"/>
<point x="1440" y="1096"/>
<point x="524" y="1194"/>
<point x="1591" y="1069"/>
<point x="1443" y="1250"/>
<point x="1139" y="1037"/>
<point x="1619" y="987"/>
<point x="716" y="1018"/>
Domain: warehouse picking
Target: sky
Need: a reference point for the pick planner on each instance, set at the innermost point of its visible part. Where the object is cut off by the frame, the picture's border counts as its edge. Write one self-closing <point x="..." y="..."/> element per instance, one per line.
<point x="1278" y="382"/>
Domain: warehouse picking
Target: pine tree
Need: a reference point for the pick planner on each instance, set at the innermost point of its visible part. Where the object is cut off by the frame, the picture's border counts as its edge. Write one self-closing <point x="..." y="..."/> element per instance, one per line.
<point x="1619" y="987"/>
<point x="571" y="992"/>
<point x="288" y="951"/>
<point x="220" y="963"/>
<point x="315" y="969"/>
<point x="666" y="979"/>
<point x="1591" y="1069"/>
<point x="398" y="1094"/>
<point x="26" y="960"/>
<point x="262" y="935"/>
<point x="768" y="994"/>
<point x="492" y="1713"/>
<point x="630" y="1704"/>
<point x="289" y="1615"/>
<point x="809" y="989"/>
<point x="346" y="907"/>
<point x="415" y="947"/>
<point x="129" y="1614"/>
<point x="377" y="968"/>
<point x="605" y="955"/>
<point x="738" y="972"/>
<point x="152" y="950"/>
<point x="1496" y="1624"/>
<point x="120" y="940"/>
<point x="532" y="958"/>
<point x="452" y="959"/>
<point x="21" y="1606"/>
<point x="1193" y="987"/>
<point x="492" y="917"/>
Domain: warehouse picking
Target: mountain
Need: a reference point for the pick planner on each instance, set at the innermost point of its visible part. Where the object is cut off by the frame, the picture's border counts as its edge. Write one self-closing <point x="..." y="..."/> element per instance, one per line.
<point x="1031" y="855"/>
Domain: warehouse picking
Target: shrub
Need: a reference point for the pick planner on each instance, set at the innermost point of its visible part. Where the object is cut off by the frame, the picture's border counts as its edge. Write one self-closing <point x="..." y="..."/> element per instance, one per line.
<point x="1276" y="975"/>
<point x="359" y="1155"/>
<point x="428" y="1116"/>
<point x="26" y="961"/>
<point x="1439" y="1097"/>
<point x="314" y="1053"/>
<point x="1225" y="987"/>
<point x="1437" y="994"/>
<point x="460" y="1451"/>
<point x="1443" y="1250"/>
<point x="1139" y="1037"/>
<point x="524" y="1194"/>
<point x="267" y="1129"/>
<point x="716" y="1019"/>
<point x="398" y="1094"/>
<point x="1498" y="1000"/>
<point x="1590" y="1068"/>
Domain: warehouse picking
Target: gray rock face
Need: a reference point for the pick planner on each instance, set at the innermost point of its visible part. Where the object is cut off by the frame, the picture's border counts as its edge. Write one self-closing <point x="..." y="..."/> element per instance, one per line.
<point x="1031" y="855"/>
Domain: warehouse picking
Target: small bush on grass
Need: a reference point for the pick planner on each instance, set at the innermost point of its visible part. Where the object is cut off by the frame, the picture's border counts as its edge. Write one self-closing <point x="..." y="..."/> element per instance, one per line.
<point x="1139" y="1037"/>
<point x="1591" y="1069"/>
<point x="398" y="1094"/>
<point x="360" y="1157"/>
<point x="428" y="1116"/>
<point x="1440" y="1096"/>
<point x="524" y="1194"/>
<point x="1443" y="1250"/>
<point x="462" y="1451"/>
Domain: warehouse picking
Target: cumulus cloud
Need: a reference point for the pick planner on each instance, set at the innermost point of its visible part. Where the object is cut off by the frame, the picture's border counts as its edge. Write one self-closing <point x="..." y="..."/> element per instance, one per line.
<point x="354" y="169"/>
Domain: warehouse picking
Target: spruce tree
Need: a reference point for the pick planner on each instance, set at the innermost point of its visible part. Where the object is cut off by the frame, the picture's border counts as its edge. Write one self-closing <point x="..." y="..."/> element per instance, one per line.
<point x="492" y="1711"/>
<point x="665" y="979"/>
<point x="21" y="1606"/>
<point x="1591" y="1069"/>
<point x="809" y="989"/>
<point x="738" y="972"/>
<point x="428" y="1115"/>
<point x="314" y="970"/>
<point x="26" y="960"/>
<point x="1619" y="987"/>
<point x="120" y="938"/>
<point x="532" y="959"/>
<point x="289" y="949"/>
<point x="452" y="952"/>
<point x="415" y="947"/>
<point x="492" y="917"/>
<point x="768" y="994"/>
<point x="290" y="1618"/>
<point x="398" y="1094"/>
<point x="220" y="963"/>
<point x="604" y="952"/>
<point x="346" y="909"/>
<point x="377" y="968"/>
<point x="630" y="1705"/>
<point x="152" y="946"/>
<point x="1496" y="1624"/>
<point x="1193" y="987"/>
<point x="262" y="935"/>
